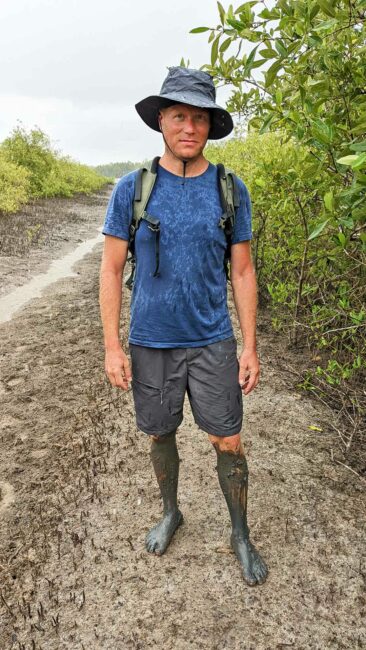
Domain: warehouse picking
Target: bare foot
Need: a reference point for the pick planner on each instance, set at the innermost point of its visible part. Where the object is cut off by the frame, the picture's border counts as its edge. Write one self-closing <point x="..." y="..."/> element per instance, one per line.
<point x="254" y="568"/>
<point x="158" y="538"/>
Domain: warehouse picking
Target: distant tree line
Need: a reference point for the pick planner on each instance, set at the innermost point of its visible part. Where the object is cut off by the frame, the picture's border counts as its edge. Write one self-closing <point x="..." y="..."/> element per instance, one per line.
<point x="118" y="169"/>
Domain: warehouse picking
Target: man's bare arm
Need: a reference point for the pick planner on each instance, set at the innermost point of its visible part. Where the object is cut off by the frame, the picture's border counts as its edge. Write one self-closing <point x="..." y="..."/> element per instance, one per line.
<point x="114" y="259"/>
<point x="244" y="286"/>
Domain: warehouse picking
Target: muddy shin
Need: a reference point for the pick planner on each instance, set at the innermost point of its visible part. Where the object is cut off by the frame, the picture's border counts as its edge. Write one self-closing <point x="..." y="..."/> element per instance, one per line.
<point x="232" y="471"/>
<point x="165" y="460"/>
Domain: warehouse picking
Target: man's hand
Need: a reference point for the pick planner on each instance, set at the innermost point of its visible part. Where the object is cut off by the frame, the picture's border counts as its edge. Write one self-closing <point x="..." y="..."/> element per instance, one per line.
<point x="117" y="367"/>
<point x="248" y="371"/>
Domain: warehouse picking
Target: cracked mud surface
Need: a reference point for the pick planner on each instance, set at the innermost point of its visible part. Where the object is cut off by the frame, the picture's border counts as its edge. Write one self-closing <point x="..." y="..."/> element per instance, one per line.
<point x="78" y="494"/>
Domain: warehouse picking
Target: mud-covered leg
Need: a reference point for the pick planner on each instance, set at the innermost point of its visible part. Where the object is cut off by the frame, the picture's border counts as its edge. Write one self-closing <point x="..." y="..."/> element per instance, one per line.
<point x="165" y="460"/>
<point x="232" y="471"/>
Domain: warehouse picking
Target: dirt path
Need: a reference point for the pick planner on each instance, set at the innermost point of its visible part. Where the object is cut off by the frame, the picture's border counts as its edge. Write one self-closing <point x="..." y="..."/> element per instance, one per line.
<point x="78" y="494"/>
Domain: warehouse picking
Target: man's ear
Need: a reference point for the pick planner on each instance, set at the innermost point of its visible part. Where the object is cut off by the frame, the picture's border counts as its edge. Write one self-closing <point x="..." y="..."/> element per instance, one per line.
<point x="159" y="119"/>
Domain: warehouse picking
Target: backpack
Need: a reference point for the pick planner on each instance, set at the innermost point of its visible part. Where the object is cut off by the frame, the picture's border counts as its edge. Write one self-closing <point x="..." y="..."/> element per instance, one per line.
<point x="145" y="181"/>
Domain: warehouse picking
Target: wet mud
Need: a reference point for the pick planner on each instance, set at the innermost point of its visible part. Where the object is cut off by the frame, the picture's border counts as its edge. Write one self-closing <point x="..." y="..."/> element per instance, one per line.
<point x="78" y="492"/>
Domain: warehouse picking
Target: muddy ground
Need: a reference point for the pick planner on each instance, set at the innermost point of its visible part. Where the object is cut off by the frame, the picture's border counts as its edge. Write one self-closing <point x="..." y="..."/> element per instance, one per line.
<point x="77" y="492"/>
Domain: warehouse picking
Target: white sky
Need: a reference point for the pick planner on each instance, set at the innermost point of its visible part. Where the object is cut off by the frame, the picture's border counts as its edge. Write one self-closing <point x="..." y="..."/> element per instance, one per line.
<point x="75" y="68"/>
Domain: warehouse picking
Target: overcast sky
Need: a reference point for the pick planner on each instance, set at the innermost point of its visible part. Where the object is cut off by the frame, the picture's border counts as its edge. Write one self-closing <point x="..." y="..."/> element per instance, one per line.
<point x="75" y="68"/>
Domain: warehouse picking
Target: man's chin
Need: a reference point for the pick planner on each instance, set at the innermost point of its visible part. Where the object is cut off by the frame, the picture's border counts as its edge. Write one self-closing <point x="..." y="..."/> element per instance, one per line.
<point x="189" y="154"/>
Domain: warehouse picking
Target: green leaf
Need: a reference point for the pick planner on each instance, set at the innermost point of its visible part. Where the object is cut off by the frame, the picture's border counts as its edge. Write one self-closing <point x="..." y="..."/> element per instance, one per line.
<point x="227" y="42"/>
<point x="245" y="6"/>
<point x="326" y="7"/>
<point x="358" y="146"/>
<point x="329" y="201"/>
<point x="280" y="48"/>
<point x="361" y="178"/>
<point x="314" y="11"/>
<point x="267" y="121"/>
<point x="236" y="24"/>
<point x="278" y="97"/>
<point x="268" y="53"/>
<point x="315" y="39"/>
<point x="295" y="117"/>
<point x="342" y="239"/>
<point x="271" y="73"/>
<point x="215" y="50"/>
<point x="267" y="14"/>
<point x="287" y="9"/>
<point x="325" y="25"/>
<point x="360" y="162"/>
<point x="316" y="232"/>
<point x="360" y="128"/>
<point x="199" y="30"/>
<point x="221" y="12"/>
<point x="250" y="60"/>
<point x="347" y="160"/>
<point x="258" y="63"/>
<point x="317" y="86"/>
<point x="251" y="35"/>
<point x="260" y="182"/>
<point x="299" y="28"/>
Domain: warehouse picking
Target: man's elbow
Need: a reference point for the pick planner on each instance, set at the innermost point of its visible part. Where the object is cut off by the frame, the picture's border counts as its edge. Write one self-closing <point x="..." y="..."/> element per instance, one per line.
<point x="110" y="273"/>
<point x="243" y="274"/>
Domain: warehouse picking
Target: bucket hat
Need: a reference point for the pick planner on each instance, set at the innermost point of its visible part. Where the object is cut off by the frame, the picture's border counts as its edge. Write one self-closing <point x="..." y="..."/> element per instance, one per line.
<point x="187" y="86"/>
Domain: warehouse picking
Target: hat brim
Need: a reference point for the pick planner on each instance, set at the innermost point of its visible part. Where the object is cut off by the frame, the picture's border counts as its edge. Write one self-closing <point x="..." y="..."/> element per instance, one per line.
<point x="221" y="120"/>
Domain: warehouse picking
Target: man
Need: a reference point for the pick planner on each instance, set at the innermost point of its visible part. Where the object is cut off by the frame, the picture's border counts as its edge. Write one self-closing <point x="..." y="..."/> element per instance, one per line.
<point x="181" y="337"/>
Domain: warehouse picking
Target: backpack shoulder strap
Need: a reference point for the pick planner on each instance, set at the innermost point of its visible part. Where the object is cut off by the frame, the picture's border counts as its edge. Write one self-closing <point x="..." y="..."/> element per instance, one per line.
<point x="229" y="192"/>
<point x="230" y="201"/>
<point x="145" y="181"/>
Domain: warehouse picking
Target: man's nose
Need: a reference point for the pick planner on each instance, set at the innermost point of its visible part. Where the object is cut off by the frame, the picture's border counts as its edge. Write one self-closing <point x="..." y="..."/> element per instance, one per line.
<point x="189" y="125"/>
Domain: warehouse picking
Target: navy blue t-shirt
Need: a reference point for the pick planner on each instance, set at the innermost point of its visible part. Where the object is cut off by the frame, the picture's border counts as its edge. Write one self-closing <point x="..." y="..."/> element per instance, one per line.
<point x="186" y="304"/>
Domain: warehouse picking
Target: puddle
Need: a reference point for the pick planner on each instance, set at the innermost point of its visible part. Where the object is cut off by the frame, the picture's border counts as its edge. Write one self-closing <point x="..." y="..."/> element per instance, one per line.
<point x="61" y="268"/>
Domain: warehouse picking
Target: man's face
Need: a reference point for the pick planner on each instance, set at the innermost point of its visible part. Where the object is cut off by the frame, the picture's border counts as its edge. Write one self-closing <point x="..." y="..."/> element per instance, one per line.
<point x="185" y="129"/>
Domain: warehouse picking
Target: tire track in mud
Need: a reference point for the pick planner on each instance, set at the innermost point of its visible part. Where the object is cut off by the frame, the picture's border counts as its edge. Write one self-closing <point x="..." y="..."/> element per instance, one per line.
<point x="74" y="571"/>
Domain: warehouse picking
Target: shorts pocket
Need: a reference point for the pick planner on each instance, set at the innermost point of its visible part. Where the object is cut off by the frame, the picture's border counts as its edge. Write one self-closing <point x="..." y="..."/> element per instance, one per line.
<point x="154" y="414"/>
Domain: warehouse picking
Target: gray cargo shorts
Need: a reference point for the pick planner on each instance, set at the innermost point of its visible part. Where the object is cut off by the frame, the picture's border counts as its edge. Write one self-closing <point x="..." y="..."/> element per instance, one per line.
<point x="209" y="375"/>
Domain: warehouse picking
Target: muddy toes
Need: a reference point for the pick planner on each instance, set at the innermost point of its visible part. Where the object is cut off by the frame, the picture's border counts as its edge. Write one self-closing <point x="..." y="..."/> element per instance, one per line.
<point x="254" y="568"/>
<point x="249" y="577"/>
<point x="159" y="537"/>
<point x="260" y="570"/>
<point x="151" y="542"/>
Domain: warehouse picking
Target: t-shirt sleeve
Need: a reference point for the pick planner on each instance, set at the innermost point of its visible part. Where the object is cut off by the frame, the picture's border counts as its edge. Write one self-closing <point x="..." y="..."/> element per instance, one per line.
<point x="243" y="219"/>
<point x="120" y="208"/>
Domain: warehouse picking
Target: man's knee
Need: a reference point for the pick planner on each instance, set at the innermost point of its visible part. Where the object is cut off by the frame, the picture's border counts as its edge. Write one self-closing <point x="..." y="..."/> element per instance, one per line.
<point x="227" y="443"/>
<point x="164" y="438"/>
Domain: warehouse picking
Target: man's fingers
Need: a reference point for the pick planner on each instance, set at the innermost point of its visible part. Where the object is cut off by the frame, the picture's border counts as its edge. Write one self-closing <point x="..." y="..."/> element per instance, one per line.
<point x="118" y="379"/>
<point x="127" y="370"/>
<point x="248" y="380"/>
<point x="249" y="384"/>
<point x="244" y="375"/>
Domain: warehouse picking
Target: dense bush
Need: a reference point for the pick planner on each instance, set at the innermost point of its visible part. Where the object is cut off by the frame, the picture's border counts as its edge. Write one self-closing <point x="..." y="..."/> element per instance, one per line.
<point x="30" y="167"/>
<point x="297" y="69"/>
<point x="14" y="185"/>
<point x="66" y="177"/>
<point x="315" y="285"/>
<point x="33" y="152"/>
